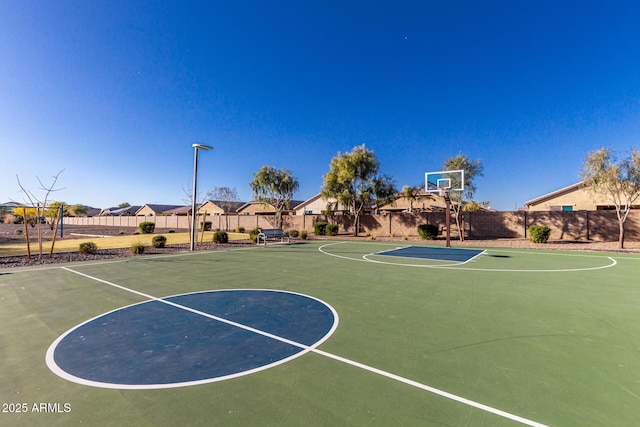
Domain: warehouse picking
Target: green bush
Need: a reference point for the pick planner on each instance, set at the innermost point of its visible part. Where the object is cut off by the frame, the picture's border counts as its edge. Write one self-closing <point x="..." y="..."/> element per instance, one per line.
<point x="539" y="233"/>
<point x="303" y="234"/>
<point x="293" y="233"/>
<point x="428" y="231"/>
<point x="253" y="234"/>
<point x="137" y="248"/>
<point x="158" y="241"/>
<point x="240" y="230"/>
<point x="88" y="248"/>
<point x="147" y="227"/>
<point x="332" y="229"/>
<point x="206" y="225"/>
<point x="220" y="237"/>
<point x="320" y="228"/>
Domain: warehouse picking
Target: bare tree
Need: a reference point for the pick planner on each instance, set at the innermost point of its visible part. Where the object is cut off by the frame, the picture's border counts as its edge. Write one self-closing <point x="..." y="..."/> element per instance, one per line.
<point x="40" y="204"/>
<point x="226" y="198"/>
<point x="617" y="180"/>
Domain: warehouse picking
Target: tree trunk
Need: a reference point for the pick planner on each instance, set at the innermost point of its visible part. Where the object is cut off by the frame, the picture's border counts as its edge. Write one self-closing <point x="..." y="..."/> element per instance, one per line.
<point x="621" y="235"/>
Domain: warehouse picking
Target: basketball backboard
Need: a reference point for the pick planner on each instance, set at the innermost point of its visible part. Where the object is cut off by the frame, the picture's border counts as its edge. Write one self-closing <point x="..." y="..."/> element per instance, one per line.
<point x="436" y="182"/>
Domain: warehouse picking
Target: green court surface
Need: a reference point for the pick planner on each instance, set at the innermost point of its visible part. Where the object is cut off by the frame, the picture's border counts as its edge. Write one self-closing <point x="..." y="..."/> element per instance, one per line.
<point x="508" y="337"/>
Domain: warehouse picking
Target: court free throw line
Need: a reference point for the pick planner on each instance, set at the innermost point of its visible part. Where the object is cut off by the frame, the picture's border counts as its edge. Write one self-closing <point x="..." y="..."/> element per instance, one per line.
<point x="307" y="348"/>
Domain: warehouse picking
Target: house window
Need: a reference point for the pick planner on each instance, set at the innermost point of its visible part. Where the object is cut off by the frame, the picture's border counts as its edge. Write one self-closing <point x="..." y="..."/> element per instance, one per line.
<point x="567" y="208"/>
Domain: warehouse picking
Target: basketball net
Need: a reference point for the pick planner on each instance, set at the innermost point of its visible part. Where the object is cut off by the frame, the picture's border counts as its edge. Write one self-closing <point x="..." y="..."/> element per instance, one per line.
<point x="443" y="192"/>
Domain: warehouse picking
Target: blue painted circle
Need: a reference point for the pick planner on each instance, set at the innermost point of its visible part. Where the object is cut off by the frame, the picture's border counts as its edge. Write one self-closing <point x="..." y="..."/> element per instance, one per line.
<point x="191" y="338"/>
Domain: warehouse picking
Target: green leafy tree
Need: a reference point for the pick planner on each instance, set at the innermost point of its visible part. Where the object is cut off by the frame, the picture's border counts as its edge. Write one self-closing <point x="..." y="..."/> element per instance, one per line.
<point x="353" y="180"/>
<point x="276" y="188"/>
<point x="77" y="210"/>
<point x="616" y="180"/>
<point x="472" y="170"/>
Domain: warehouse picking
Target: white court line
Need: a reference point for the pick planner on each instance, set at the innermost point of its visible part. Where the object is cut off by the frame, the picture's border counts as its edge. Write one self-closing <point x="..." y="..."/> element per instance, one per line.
<point x="313" y="349"/>
<point x="455" y="266"/>
<point x="451" y="263"/>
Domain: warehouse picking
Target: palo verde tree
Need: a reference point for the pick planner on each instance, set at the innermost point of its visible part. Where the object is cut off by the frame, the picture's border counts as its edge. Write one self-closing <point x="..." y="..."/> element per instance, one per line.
<point x="614" y="179"/>
<point x="472" y="170"/>
<point x="274" y="187"/>
<point x="354" y="182"/>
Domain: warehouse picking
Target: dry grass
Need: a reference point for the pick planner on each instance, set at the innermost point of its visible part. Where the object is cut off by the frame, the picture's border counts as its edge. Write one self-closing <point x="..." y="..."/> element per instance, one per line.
<point x="116" y="242"/>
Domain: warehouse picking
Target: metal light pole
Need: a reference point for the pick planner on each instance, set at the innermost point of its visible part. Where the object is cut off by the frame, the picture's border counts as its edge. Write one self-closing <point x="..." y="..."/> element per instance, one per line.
<point x="196" y="147"/>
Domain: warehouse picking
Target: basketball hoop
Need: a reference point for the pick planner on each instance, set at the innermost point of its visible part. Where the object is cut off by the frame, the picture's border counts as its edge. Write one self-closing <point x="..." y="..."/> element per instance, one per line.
<point x="442" y="191"/>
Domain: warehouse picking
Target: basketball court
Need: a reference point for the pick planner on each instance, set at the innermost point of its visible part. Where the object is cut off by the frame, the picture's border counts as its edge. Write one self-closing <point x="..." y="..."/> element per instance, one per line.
<point x="324" y="333"/>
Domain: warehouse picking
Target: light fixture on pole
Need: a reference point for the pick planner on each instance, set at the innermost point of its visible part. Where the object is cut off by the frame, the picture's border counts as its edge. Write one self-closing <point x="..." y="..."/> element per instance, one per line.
<point x="194" y="195"/>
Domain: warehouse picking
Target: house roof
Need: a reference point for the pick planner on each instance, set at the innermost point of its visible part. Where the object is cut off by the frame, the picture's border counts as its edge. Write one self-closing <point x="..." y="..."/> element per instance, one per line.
<point x="10" y="205"/>
<point x="129" y="210"/>
<point x="233" y="206"/>
<point x="159" y="208"/>
<point x="178" y="210"/>
<point x="294" y="205"/>
<point x="556" y="193"/>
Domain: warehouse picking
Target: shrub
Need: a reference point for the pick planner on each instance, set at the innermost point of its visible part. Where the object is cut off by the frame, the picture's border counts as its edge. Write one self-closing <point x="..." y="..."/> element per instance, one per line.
<point x="88" y="248"/>
<point x="240" y="230"/>
<point x="320" y="228"/>
<point x="220" y="237"/>
<point x="121" y="232"/>
<point x="158" y="241"/>
<point x="303" y="234"/>
<point x="137" y="248"/>
<point x="171" y="230"/>
<point x="253" y="234"/>
<point x="428" y="231"/>
<point x="539" y="233"/>
<point x="206" y="225"/>
<point x="293" y="233"/>
<point x="147" y="227"/>
<point x="331" y="229"/>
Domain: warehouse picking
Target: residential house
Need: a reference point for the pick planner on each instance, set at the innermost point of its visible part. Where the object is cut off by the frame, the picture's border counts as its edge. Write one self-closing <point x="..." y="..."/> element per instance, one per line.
<point x="179" y="211"/>
<point x="220" y="207"/>
<point x="259" y="208"/>
<point x="575" y="197"/>
<point x="421" y="201"/>
<point x="154" y="210"/>
<point x="126" y="211"/>
<point x="318" y="205"/>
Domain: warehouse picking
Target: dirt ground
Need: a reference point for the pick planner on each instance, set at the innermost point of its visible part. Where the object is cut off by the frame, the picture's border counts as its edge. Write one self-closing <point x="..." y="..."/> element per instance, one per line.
<point x="14" y="233"/>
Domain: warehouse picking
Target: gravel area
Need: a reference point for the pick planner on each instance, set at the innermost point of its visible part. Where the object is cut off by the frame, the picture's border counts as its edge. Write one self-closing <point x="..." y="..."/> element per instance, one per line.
<point x="9" y="234"/>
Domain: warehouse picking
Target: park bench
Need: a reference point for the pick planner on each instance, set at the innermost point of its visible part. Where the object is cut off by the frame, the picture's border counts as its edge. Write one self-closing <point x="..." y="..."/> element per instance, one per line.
<point x="272" y="233"/>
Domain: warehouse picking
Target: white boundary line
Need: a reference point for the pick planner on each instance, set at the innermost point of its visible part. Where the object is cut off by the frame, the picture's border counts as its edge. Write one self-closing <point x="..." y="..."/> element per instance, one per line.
<point x="305" y="349"/>
<point x="384" y="253"/>
<point x="455" y="266"/>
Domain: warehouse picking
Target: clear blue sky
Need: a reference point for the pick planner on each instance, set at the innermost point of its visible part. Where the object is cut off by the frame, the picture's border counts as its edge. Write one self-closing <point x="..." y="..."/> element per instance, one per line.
<point x="115" y="92"/>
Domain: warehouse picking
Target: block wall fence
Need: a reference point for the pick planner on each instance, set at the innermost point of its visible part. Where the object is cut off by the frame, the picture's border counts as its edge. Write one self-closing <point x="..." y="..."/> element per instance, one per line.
<point x="579" y="225"/>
